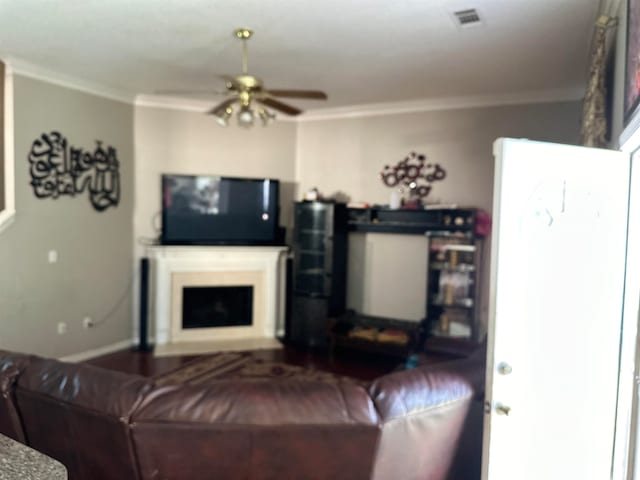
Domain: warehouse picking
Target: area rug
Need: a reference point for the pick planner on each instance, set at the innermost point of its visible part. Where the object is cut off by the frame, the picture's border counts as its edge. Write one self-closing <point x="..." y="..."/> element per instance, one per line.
<point x="245" y="365"/>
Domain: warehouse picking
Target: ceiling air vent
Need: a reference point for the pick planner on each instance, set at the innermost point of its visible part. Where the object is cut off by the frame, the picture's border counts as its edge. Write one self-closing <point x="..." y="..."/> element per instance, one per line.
<point x="467" y="18"/>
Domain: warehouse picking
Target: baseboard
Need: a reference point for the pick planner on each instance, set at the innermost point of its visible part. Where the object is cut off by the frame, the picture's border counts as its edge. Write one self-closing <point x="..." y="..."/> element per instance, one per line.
<point x="96" y="352"/>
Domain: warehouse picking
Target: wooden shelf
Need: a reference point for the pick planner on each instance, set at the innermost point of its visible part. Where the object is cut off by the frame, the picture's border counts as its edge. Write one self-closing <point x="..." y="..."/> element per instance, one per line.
<point x="456" y="346"/>
<point x="342" y="328"/>
<point x="410" y="221"/>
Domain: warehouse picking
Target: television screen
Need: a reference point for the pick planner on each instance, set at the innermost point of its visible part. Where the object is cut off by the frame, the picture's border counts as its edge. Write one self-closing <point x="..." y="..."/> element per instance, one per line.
<point x="214" y="210"/>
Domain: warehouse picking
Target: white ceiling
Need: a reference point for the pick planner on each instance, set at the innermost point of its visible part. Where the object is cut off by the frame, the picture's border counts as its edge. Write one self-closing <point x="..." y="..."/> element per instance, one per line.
<point x="358" y="51"/>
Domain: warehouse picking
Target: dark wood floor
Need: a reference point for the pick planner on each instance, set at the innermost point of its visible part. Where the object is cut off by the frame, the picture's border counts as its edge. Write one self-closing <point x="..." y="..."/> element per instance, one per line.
<point x="349" y="363"/>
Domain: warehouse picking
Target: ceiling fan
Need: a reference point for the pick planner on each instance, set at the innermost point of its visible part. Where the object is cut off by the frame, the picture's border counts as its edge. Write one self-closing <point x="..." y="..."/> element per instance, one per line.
<point x="246" y="91"/>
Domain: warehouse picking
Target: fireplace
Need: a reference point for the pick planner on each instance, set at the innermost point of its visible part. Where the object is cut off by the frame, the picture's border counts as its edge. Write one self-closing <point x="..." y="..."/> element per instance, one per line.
<point x="211" y="307"/>
<point x="217" y="293"/>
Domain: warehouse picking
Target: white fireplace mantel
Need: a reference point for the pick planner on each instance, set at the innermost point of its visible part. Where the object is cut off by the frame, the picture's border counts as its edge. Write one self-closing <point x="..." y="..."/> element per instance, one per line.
<point x="170" y="264"/>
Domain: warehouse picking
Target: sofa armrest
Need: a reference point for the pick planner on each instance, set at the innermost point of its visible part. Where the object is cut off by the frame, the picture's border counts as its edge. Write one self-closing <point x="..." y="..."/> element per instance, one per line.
<point x="422" y="412"/>
<point x="11" y="367"/>
<point x="10" y="422"/>
<point x="79" y="414"/>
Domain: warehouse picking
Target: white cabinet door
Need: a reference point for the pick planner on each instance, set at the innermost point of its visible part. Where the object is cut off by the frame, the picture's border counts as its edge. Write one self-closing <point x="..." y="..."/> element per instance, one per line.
<point x="557" y="278"/>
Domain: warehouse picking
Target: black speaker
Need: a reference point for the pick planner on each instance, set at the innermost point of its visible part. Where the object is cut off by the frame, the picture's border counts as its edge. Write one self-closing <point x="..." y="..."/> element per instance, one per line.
<point x="288" y="298"/>
<point x="144" y="346"/>
<point x="309" y="327"/>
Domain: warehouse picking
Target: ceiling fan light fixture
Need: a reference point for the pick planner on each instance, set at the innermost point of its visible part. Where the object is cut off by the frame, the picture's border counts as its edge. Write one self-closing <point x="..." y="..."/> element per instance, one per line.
<point x="245" y="91"/>
<point x="222" y="117"/>
<point x="266" y="116"/>
<point x="245" y="117"/>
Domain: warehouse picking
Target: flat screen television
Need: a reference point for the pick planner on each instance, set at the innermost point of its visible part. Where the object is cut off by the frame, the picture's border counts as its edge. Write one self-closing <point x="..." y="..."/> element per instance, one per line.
<point x="215" y="210"/>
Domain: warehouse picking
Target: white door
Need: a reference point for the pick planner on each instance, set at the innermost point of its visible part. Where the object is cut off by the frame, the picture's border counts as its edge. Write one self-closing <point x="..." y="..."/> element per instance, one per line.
<point x="557" y="278"/>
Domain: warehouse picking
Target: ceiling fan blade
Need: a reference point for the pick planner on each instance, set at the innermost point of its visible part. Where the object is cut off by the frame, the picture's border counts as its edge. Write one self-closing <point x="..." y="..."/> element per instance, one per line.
<point x="221" y="107"/>
<point x="312" y="94"/>
<point x="283" y="107"/>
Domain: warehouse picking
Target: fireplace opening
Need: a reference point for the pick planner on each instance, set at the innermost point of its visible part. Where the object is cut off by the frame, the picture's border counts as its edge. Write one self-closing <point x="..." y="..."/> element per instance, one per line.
<point x="206" y="307"/>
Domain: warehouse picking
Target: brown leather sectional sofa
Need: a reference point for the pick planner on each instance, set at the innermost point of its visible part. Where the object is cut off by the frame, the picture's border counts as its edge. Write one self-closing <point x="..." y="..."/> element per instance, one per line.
<point x="107" y="425"/>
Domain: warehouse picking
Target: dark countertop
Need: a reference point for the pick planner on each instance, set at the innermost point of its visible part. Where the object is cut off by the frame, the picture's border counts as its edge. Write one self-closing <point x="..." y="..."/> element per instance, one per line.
<point x="19" y="462"/>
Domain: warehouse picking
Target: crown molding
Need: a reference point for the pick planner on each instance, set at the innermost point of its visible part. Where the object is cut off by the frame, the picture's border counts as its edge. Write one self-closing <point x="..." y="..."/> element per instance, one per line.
<point x="185" y="104"/>
<point x="26" y="69"/>
<point x="376" y="109"/>
<point x="449" y="103"/>
<point x="173" y="103"/>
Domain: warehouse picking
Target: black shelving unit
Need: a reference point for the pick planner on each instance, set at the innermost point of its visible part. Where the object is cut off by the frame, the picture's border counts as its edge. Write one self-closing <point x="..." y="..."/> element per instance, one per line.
<point x="416" y="222"/>
<point x="453" y="300"/>
<point x="319" y="270"/>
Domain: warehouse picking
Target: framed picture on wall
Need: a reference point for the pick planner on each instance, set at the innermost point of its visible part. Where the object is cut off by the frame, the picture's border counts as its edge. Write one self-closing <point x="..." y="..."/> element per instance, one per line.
<point x="632" y="74"/>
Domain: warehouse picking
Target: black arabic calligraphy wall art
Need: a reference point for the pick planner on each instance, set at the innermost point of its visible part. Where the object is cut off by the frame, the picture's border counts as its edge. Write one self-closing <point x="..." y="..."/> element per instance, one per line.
<point x="413" y="173"/>
<point x="57" y="168"/>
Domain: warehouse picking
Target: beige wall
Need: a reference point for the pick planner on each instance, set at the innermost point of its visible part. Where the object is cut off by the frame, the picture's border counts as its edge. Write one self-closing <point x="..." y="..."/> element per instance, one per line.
<point x="347" y="154"/>
<point x="93" y="274"/>
<point x="387" y="272"/>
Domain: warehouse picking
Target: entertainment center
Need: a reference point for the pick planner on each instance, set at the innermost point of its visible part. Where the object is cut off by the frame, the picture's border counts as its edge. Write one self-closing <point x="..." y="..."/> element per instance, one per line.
<point x="221" y="273"/>
<point x="450" y="322"/>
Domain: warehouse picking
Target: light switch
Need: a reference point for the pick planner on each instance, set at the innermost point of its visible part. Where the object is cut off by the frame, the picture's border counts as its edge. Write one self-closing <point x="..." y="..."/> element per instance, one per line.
<point x="53" y="256"/>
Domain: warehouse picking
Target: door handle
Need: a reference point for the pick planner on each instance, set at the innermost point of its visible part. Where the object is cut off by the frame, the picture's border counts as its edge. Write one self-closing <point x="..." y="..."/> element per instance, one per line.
<point x="504" y="368"/>
<point x="502" y="409"/>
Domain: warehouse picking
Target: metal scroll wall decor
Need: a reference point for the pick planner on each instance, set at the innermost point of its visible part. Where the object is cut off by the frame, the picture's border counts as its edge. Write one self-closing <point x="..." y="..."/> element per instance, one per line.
<point x="413" y="173"/>
<point x="58" y="168"/>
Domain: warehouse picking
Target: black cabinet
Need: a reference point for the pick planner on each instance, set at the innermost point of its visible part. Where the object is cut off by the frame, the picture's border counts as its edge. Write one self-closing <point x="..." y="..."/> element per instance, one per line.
<point x="319" y="270"/>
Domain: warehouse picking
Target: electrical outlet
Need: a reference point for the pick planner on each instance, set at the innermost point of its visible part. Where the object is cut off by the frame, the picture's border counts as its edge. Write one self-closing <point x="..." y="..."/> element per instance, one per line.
<point x="87" y="322"/>
<point x="62" y="328"/>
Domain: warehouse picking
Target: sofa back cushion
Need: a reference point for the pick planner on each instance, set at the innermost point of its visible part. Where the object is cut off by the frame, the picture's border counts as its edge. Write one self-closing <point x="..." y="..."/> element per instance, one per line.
<point x="79" y="415"/>
<point x="256" y="430"/>
<point x="422" y="414"/>
<point x="11" y="366"/>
